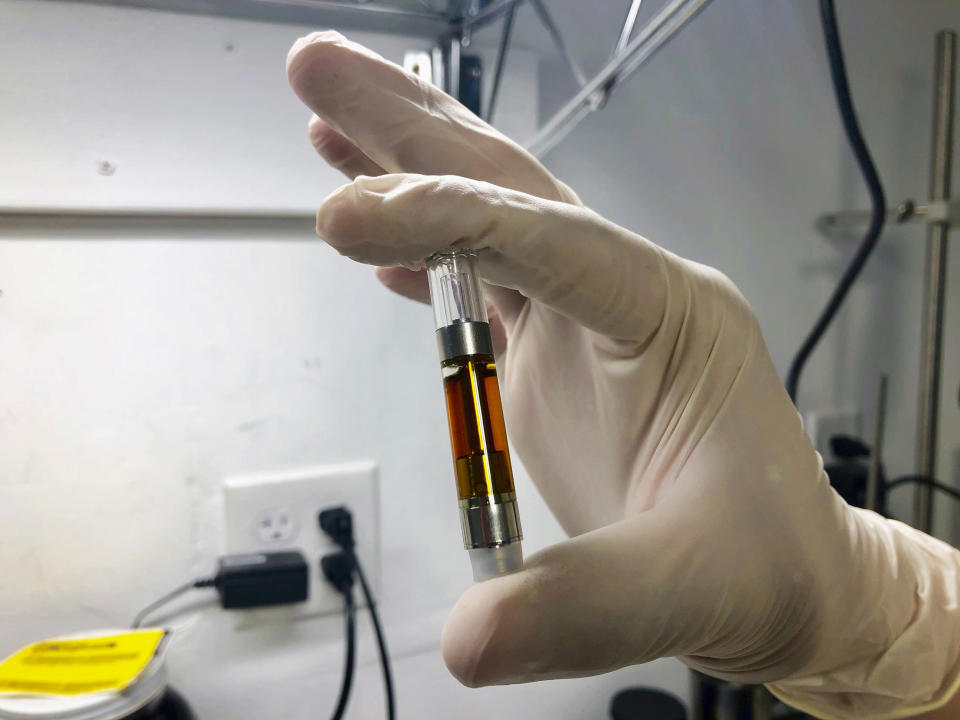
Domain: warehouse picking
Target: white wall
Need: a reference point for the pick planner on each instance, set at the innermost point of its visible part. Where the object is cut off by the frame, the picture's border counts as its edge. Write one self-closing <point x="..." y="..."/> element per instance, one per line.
<point x="727" y="146"/>
<point x="142" y="361"/>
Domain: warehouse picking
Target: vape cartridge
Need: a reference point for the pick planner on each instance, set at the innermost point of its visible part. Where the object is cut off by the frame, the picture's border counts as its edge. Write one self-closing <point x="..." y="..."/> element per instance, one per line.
<point x="488" y="503"/>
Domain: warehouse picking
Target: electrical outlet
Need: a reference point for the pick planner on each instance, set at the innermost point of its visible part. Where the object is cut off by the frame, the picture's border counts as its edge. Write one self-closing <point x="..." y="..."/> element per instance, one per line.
<point x="279" y="511"/>
<point x="276" y="526"/>
<point x="824" y="424"/>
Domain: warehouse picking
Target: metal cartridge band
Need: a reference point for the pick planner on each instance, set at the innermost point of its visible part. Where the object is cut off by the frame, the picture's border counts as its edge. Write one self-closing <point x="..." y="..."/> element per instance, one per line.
<point x="490" y="521"/>
<point x="464" y="338"/>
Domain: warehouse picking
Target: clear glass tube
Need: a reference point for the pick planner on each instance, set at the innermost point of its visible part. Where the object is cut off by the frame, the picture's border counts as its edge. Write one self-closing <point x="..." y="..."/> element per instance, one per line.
<point x="455" y="291"/>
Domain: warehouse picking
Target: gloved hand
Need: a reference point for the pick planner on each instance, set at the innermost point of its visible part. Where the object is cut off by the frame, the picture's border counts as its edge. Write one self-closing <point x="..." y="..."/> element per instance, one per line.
<point x="640" y="396"/>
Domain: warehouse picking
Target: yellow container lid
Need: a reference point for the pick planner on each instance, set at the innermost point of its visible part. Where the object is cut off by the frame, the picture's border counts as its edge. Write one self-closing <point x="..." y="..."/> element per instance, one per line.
<point x="103" y="675"/>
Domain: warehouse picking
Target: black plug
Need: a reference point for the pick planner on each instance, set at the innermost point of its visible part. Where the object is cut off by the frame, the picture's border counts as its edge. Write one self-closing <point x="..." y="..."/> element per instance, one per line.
<point x="337" y="523"/>
<point x="338" y="570"/>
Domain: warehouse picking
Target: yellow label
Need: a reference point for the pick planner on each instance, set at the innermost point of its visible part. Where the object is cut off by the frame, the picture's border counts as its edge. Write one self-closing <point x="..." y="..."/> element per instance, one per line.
<point x="73" y="666"/>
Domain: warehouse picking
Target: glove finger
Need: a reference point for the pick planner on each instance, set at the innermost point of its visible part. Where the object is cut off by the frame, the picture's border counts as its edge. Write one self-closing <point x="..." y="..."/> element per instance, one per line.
<point x="339" y="152"/>
<point x="590" y="605"/>
<point x="405" y="124"/>
<point x="346" y="157"/>
<point x="567" y="257"/>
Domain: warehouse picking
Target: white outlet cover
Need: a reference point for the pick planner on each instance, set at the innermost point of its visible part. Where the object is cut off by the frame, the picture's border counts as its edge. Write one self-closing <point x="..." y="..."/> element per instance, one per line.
<point x="279" y="511"/>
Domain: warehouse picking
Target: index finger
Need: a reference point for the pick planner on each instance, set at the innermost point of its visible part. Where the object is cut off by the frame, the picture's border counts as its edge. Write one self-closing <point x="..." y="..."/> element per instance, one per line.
<point x="404" y="124"/>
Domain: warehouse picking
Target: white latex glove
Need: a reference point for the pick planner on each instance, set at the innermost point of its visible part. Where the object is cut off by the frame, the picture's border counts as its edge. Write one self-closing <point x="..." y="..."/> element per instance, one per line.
<point x="640" y="396"/>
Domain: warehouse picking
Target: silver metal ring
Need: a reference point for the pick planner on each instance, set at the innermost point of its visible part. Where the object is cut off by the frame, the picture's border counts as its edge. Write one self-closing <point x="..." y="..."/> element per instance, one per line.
<point x="490" y="521"/>
<point x="463" y="339"/>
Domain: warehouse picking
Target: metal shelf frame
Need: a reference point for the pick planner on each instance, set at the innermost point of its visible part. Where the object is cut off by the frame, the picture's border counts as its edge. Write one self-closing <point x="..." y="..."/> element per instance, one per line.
<point x="452" y="23"/>
<point x="940" y="214"/>
<point x="450" y="29"/>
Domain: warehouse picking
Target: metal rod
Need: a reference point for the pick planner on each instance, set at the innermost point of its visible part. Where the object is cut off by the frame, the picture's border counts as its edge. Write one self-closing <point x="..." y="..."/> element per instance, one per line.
<point x="625" y="33"/>
<point x="351" y="6"/>
<point x="484" y="17"/>
<point x="627" y="29"/>
<point x="451" y="71"/>
<point x="113" y="212"/>
<point x="501" y="63"/>
<point x="935" y="277"/>
<point x="558" y="40"/>
<point x="660" y="37"/>
<point x="651" y="38"/>
<point x="876" y="454"/>
<point x="557" y="137"/>
<point x="437" y="66"/>
<point x="904" y="212"/>
<point x="387" y="18"/>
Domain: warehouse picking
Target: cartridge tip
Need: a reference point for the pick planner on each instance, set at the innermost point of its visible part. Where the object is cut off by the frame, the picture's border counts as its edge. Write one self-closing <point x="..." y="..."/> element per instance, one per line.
<point x="493" y="561"/>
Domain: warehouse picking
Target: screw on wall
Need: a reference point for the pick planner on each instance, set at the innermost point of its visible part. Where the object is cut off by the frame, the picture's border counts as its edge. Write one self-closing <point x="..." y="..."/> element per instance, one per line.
<point x="105" y="167"/>
<point x="228" y="46"/>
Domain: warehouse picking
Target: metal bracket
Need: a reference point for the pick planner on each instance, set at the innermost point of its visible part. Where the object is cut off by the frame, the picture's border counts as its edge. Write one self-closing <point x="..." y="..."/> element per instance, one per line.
<point x="932" y="212"/>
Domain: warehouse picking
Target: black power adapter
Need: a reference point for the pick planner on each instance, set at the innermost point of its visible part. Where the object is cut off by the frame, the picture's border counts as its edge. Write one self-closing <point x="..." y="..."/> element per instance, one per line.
<point x="261" y="579"/>
<point x="249" y="580"/>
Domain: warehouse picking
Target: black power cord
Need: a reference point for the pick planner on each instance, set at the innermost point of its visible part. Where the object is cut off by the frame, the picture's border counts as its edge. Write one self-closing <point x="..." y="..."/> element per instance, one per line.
<point x="878" y="204"/>
<point x="172" y="595"/>
<point x="337" y="523"/>
<point x="338" y="569"/>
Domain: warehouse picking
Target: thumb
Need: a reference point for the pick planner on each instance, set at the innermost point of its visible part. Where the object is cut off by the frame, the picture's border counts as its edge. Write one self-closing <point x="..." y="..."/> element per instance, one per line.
<point x="592" y="604"/>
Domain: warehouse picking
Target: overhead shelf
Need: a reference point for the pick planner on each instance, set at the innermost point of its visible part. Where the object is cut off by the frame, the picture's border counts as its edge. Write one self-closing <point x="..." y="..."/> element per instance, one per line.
<point x="401" y="17"/>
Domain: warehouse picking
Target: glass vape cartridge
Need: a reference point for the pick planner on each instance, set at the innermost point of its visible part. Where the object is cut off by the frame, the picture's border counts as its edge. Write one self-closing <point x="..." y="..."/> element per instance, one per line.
<point x="478" y="436"/>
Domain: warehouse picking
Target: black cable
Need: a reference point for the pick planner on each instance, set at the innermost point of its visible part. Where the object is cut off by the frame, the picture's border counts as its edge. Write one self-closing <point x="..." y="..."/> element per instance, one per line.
<point x="173" y="594"/>
<point x="350" y="661"/>
<point x="381" y="641"/>
<point x="878" y="203"/>
<point x="337" y="523"/>
<point x="338" y="570"/>
<point x="924" y="480"/>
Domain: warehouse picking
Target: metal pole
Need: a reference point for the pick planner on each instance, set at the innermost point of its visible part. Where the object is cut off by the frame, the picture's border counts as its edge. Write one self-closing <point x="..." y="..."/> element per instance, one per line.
<point x="452" y="68"/>
<point x="876" y="453"/>
<point x="501" y="63"/>
<point x="627" y="30"/>
<point x="935" y="277"/>
<point x="625" y="33"/>
<point x="906" y="211"/>
<point x="648" y="40"/>
<point x="484" y="17"/>
<point x="116" y="212"/>
<point x="558" y="42"/>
